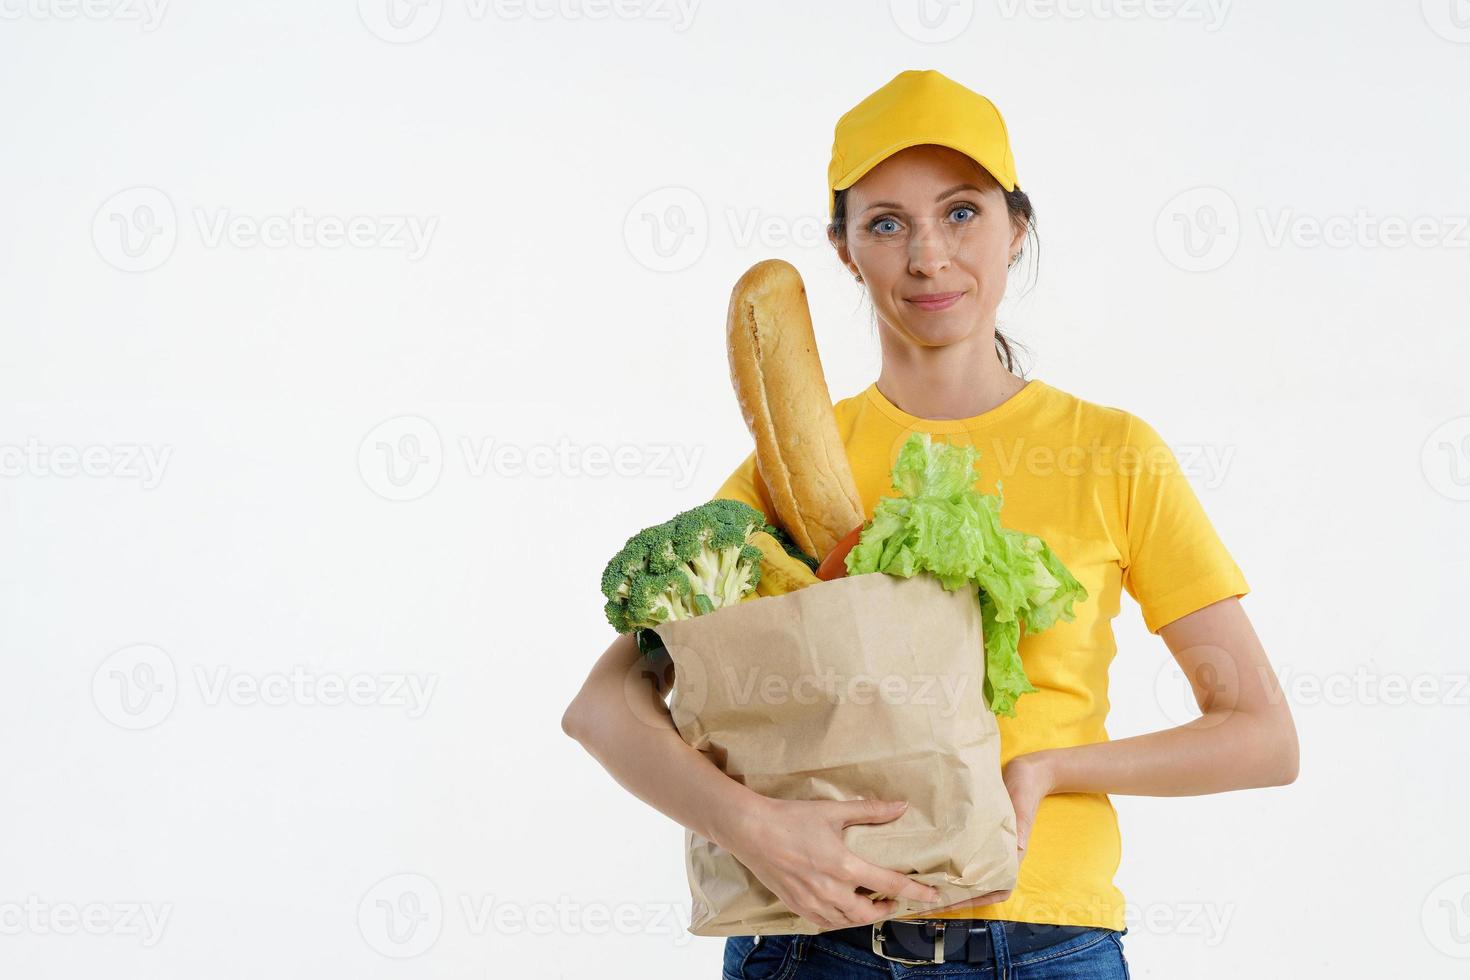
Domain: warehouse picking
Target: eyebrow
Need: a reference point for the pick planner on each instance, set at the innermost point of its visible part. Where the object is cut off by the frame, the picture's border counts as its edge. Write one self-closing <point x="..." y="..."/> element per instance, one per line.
<point x="952" y="190"/>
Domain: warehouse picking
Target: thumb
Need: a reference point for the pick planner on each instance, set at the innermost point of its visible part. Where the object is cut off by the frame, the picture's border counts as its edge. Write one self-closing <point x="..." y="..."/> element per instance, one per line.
<point x="870" y="811"/>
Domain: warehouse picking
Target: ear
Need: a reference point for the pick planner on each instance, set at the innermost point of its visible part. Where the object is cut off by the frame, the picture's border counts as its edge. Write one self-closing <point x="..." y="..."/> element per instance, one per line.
<point x="843" y="254"/>
<point x="1018" y="235"/>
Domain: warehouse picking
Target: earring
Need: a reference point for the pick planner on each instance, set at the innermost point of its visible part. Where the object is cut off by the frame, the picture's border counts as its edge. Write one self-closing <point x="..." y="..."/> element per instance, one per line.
<point x="859" y="277"/>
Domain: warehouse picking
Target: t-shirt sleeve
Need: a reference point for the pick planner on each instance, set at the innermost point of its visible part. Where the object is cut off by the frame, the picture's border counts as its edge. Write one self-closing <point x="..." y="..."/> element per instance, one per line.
<point x="1176" y="562"/>
<point x="746" y="485"/>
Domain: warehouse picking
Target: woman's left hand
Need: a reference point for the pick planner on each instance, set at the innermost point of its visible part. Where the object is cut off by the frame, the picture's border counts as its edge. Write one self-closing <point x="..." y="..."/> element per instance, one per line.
<point x="1027" y="781"/>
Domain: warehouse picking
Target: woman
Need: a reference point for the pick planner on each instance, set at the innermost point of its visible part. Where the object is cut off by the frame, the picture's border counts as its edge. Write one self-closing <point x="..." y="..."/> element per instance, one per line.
<point x="927" y="214"/>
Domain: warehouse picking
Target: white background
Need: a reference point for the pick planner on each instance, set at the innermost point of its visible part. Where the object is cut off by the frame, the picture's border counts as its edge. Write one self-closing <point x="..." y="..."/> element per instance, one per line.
<point x="339" y="433"/>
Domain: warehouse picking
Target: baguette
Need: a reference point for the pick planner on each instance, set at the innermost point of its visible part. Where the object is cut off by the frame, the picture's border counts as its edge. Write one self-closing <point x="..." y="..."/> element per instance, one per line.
<point x="784" y="399"/>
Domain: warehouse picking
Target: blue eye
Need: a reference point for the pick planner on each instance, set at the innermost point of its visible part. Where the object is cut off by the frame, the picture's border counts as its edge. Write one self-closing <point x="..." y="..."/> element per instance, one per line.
<point x="882" y="221"/>
<point x="962" y="207"/>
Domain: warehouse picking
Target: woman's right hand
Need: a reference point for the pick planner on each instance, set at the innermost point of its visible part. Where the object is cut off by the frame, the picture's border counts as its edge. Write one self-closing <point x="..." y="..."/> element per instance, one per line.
<point x="795" y="848"/>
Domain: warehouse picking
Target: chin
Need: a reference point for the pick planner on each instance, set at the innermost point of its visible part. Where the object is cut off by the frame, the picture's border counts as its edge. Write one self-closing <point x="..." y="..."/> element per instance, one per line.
<point x="939" y="331"/>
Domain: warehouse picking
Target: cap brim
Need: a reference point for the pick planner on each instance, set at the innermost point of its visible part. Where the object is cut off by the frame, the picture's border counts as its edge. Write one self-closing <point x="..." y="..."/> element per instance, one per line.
<point x="856" y="173"/>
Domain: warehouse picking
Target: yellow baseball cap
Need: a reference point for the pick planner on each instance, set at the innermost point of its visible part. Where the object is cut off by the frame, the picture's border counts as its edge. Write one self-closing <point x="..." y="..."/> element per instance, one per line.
<point x="919" y="106"/>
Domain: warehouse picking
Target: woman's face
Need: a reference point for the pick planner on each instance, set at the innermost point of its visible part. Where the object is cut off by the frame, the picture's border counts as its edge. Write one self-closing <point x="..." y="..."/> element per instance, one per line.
<point x="930" y="222"/>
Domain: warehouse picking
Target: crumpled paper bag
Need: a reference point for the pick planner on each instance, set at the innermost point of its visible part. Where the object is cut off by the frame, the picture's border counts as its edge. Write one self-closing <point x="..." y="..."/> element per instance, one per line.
<point x="868" y="686"/>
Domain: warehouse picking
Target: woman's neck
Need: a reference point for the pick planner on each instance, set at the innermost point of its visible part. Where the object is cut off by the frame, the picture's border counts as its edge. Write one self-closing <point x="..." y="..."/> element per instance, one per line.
<point x="957" y="381"/>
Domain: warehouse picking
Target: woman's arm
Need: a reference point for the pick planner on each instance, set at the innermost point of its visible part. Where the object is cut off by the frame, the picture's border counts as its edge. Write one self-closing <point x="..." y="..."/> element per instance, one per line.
<point x="620" y="718"/>
<point x="794" y="847"/>
<point x="1245" y="737"/>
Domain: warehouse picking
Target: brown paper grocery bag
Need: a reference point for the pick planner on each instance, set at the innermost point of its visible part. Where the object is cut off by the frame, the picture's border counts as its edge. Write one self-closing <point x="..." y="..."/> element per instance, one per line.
<point x="869" y="686"/>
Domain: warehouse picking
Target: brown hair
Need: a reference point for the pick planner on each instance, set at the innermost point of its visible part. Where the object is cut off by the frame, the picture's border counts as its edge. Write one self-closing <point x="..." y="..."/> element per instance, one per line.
<point x="1021" y="212"/>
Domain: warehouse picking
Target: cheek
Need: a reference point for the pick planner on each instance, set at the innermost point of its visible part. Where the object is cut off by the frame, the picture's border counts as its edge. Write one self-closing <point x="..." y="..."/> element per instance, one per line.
<point x="987" y="251"/>
<point x="986" y="263"/>
<point x="881" y="262"/>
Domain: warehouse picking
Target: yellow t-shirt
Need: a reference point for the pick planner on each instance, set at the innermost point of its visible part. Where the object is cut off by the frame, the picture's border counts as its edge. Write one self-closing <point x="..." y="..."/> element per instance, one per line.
<point x="1101" y="488"/>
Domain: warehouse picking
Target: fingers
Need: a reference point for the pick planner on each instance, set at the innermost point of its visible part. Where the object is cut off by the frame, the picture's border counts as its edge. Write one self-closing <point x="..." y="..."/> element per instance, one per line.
<point x="827" y="915"/>
<point x="885" y="881"/>
<point x="868" y="811"/>
<point x="835" y="905"/>
<point x="816" y="904"/>
<point x="858" y="910"/>
<point x="823" y="885"/>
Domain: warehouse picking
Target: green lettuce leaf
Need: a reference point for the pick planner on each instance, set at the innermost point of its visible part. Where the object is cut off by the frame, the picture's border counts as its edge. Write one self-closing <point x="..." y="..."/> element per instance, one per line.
<point x="940" y="524"/>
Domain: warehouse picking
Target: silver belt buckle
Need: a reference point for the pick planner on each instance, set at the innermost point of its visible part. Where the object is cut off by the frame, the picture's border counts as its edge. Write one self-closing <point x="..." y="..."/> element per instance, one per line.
<point x="938" y="945"/>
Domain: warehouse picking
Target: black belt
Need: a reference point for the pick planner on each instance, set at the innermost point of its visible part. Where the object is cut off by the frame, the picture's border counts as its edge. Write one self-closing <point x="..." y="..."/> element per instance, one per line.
<point x="950" y="940"/>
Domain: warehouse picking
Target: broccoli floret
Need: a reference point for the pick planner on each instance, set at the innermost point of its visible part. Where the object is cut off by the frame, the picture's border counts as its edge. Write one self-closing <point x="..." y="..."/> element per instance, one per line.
<point x="696" y="562"/>
<point x="774" y="530"/>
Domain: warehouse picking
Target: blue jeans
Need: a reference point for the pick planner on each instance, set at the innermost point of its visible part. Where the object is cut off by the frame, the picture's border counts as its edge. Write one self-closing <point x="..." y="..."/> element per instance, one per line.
<point x="1094" y="955"/>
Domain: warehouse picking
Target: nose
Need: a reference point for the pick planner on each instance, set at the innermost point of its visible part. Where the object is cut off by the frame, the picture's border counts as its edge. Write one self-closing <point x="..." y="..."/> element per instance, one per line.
<point x="929" y="250"/>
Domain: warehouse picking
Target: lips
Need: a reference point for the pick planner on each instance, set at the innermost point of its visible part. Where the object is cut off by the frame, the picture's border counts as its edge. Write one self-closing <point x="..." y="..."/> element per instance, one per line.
<point x="935" y="301"/>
